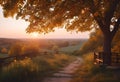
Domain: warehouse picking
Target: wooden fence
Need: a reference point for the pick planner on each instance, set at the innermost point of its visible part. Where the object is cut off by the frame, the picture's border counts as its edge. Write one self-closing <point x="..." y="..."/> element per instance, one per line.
<point x="99" y="58"/>
<point x="7" y="60"/>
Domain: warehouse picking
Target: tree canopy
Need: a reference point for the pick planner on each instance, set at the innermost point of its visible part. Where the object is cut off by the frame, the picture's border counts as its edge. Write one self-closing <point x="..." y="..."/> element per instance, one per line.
<point x="79" y="15"/>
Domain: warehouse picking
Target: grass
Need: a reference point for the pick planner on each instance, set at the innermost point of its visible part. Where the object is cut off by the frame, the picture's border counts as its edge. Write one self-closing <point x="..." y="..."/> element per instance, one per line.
<point x="71" y="49"/>
<point x="88" y="72"/>
<point x="3" y="55"/>
<point x="29" y="69"/>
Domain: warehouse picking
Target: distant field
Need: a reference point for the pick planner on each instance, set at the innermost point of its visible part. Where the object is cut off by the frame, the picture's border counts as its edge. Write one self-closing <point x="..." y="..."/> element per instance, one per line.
<point x="71" y="49"/>
<point x="45" y="45"/>
<point x="6" y="43"/>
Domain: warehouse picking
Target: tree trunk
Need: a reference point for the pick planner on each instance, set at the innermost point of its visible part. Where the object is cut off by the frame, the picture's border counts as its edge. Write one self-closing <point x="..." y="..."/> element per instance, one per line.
<point x="107" y="49"/>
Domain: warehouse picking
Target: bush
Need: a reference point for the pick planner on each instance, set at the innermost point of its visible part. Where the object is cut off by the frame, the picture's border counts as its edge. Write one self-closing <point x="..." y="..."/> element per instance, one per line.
<point x="30" y="49"/>
<point x="15" y="50"/>
<point x="4" y="51"/>
<point x="22" y="49"/>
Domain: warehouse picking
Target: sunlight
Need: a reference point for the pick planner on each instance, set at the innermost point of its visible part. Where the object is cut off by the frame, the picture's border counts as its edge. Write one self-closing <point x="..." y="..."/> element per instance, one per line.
<point x="20" y="32"/>
<point x="34" y="35"/>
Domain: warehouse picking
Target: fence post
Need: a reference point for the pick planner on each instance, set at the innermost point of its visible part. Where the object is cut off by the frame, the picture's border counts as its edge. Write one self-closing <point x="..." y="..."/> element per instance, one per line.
<point x="117" y="58"/>
<point x="95" y="57"/>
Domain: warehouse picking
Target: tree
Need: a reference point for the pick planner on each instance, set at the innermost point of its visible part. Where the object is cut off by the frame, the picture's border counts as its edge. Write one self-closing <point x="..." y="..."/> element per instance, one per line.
<point x="4" y="51"/>
<point x="78" y="15"/>
<point x="30" y="49"/>
<point x="15" y="50"/>
<point x="94" y="43"/>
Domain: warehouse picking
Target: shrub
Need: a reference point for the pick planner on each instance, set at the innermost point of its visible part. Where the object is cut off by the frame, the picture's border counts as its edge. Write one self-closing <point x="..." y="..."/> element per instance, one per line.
<point x="15" y="50"/>
<point x="30" y="49"/>
<point x="4" y="51"/>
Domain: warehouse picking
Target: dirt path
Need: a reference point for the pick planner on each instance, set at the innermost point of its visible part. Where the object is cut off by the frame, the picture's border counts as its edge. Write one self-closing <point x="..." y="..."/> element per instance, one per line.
<point x="66" y="74"/>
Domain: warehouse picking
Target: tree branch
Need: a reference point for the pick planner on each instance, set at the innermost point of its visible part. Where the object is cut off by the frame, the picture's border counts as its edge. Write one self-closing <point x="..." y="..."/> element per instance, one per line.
<point x="116" y="27"/>
<point x="110" y="11"/>
<point x="97" y="18"/>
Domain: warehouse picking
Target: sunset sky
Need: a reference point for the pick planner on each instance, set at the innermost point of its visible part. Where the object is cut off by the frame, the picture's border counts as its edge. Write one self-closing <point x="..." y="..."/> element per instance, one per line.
<point x="12" y="28"/>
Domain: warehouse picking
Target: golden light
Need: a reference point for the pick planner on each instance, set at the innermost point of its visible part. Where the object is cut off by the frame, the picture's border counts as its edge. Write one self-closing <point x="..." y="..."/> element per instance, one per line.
<point x="34" y="35"/>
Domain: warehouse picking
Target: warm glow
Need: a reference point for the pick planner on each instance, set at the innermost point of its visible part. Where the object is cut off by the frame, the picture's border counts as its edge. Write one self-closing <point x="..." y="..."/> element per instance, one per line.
<point x="35" y="35"/>
<point x="12" y="28"/>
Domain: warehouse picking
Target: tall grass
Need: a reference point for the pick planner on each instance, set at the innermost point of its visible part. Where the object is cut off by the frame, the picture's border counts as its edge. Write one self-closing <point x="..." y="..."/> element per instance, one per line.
<point x="28" y="69"/>
<point x="88" y="72"/>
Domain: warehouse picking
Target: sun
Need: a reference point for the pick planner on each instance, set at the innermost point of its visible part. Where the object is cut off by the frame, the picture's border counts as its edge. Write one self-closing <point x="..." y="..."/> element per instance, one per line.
<point x="34" y="35"/>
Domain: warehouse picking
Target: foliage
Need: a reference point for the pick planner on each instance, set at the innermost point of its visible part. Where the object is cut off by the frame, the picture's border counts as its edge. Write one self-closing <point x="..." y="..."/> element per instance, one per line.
<point x="4" y="51"/>
<point x="94" y="43"/>
<point x="22" y="49"/>
<point x="88" y="72"/>
<point x="116" y="43"/>
<point x="15" y="50"/>
<point x="30" y="49"/>
<point x="29" y="69"/>
<point x="45" y="15"/>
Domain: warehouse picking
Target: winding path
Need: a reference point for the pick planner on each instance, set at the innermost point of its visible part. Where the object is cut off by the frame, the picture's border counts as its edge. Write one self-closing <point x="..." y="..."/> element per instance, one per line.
<point x="66" y="73"/>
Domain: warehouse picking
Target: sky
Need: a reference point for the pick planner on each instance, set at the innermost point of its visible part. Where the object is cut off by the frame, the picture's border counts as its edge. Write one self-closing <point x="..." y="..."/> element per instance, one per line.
<point x="12" y="28"/>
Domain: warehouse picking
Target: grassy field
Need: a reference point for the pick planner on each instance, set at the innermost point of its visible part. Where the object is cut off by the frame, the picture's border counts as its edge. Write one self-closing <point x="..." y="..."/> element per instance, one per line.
<point x="39" y="64"/>
<point x="70" y="49"/>
<point x="29" y="69"/>
<point x="88" y="72"/>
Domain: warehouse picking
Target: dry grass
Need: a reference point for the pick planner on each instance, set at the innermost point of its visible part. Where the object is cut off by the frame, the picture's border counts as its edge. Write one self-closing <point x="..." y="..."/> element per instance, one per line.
<point x="28" y="69"/>
<point x="88" y="72"/>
